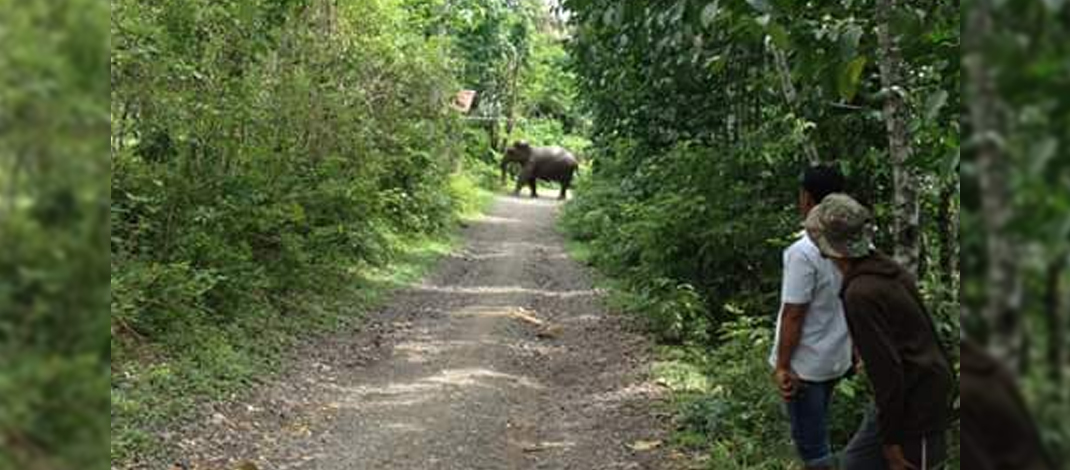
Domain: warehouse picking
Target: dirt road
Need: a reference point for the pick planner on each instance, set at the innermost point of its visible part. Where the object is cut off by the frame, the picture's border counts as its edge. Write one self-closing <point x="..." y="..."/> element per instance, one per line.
<point x="503" y="358"/>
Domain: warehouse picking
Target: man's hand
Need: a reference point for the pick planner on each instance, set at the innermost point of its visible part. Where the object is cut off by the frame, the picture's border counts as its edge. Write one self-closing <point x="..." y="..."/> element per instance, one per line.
<point x="787" y="383"/>
<point x="896" y="459"/>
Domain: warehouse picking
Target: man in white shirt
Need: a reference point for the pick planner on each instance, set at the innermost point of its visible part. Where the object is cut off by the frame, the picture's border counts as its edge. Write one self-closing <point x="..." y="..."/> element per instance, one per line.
<point x="812" y="349"/>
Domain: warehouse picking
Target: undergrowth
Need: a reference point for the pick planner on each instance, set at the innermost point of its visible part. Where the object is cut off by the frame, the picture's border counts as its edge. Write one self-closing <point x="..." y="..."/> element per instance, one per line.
<point x="160" y="382"/>
<point x="727" y="413"/>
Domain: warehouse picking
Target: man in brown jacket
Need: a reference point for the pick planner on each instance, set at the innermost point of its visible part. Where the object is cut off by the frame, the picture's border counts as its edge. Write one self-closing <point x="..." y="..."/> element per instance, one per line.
<point x="998" y="432"/>
<point x="897" y="341"/>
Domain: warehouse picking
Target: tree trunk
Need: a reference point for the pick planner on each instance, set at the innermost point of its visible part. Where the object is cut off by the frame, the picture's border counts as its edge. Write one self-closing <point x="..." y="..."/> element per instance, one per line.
<point x="759" y="91"/>
<point x="791" y="97"/>
<point x="1053" y="311"/>
<point x="900" y="149"/>
<point x="1003" y="287"/>
<point x="513" y="92"/>
<point x="948" y="230"/>
<point x="492" y="133"/>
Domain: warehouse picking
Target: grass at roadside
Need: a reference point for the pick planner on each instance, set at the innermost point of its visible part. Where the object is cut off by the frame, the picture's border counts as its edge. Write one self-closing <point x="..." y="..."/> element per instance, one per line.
<point x="726" y="414"/>
<point x="159" y="384"/>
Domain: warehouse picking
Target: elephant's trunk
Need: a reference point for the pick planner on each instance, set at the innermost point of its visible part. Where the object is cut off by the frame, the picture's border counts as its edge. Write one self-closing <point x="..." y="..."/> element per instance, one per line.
<point x="505" y="165"/>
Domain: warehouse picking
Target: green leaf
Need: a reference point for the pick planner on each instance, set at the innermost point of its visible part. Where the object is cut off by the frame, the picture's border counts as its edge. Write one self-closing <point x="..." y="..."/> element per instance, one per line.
<point x="1055" y="5"/>
<point x="1041" y="153"/>
<point x="951" y="161"/>
<point x="779" y="36"/>
<point x="610" y="17"/>
<point x="850" y="77"/>
<point x="761" y="5"/>
<point x="709" y="13"/>
<point x="934" y="103"/>
<point x="850" y="40"/>
<point x="717" y="63"/>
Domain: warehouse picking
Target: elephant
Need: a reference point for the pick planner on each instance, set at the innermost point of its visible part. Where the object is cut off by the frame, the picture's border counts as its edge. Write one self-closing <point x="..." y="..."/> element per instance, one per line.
<point x="540" y="163"/>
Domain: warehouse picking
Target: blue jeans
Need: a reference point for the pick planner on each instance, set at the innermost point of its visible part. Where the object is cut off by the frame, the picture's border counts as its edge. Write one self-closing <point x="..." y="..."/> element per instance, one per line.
<point x="808" y="411"/>
<point x="866" y="449"/>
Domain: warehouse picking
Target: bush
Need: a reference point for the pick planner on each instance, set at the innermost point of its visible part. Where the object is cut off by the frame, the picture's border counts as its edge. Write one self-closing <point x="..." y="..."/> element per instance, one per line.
<point x="264" y="168"/>
<point x="694" y="237"/>
<point x="54" y="357"/>
<point x="737" y="416"/>
<point x="708" y="219"/>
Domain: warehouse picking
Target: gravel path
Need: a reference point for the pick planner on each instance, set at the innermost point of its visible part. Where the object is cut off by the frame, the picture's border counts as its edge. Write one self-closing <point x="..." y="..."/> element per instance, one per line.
<point x="503" y="358"/>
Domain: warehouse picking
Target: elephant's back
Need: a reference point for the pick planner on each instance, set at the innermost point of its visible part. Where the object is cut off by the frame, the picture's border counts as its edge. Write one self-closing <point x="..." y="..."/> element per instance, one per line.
<point x="554" y="163"/>
<point x="561" y="156"/>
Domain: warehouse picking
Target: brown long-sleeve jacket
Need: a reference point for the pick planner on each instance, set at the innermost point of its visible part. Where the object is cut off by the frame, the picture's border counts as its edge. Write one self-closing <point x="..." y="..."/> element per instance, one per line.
<point x="997" y="431"/>
<point x="895" y="336"/>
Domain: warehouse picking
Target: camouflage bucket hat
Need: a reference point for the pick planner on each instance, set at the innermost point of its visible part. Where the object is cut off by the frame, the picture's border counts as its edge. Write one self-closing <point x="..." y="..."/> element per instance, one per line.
<point x="841" y="227"/>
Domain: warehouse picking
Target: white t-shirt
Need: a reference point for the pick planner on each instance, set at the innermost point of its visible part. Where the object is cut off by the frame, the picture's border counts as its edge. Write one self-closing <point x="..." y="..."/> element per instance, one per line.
<point x="824" y="350"/>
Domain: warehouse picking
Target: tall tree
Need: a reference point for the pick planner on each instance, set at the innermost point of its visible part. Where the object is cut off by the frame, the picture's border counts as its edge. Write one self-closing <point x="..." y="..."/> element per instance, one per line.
<point x="900" y="148"/>
<point x="790" y="95"/>
<point x="1003" y="289"/>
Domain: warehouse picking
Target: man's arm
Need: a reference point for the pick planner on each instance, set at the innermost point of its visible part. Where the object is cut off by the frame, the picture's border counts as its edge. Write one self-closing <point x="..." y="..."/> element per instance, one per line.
<point x="791" y="323"/>
<point x="796" y="292"/>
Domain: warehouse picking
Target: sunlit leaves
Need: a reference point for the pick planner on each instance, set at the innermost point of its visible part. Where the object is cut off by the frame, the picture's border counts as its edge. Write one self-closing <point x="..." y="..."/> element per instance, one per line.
<point x="762" y="6"/>
<point x="53" y="293"/>
<point x="850" y="77"/>
<point x="850" y="39"/>
<point x="934" y="103"/>
<point x="709" y="13"/>
<point x="703" y="71"/>
<point x="265" y="150"/>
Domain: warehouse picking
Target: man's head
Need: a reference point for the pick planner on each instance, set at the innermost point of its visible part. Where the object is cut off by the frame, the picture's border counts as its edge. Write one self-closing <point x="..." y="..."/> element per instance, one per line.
<point x="841" y="228"/>
<point x="818" y="181"/>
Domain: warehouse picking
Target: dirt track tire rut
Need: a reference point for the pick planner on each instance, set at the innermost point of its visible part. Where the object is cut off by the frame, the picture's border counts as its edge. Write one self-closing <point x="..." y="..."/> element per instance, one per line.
<point x="503" y="358"/>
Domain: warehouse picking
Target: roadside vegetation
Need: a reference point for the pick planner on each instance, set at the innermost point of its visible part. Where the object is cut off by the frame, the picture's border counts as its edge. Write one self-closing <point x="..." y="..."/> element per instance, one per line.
<point x="53" y="233"/>
<point x="704" y="115"/>
<point x="276" y="167"/>
<point x="279" y="166"/>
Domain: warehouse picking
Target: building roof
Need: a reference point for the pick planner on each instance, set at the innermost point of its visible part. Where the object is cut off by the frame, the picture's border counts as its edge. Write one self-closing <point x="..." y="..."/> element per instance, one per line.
<point x="463" y="101"/>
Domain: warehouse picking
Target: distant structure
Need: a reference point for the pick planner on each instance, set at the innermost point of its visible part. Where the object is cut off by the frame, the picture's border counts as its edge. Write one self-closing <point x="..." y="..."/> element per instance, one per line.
<point x="463" y="100"/>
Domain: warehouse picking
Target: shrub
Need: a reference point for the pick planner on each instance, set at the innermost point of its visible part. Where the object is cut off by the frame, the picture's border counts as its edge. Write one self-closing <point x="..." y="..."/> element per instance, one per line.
<point x="740" y="415"/>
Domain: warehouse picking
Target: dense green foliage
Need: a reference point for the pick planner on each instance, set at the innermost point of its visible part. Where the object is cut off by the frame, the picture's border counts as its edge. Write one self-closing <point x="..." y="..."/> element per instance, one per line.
<point x="706" y="197"/>
<point x="698" y="146"/>
<point x="1014" y="66"/>
<point x="53" y="229"/>
<point x="263" y="153"/>
<point x="277" y="163"/>
<point x="726" y="406"/>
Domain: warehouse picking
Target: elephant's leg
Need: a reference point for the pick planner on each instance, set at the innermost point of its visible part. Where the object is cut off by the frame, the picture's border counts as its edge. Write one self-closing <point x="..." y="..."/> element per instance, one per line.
<point x="527" y="177"/>
<point x="566" y="183"/>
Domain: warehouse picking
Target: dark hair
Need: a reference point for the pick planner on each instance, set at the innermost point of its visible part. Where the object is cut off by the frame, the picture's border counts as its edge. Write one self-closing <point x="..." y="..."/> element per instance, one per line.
<point x="822" y="180"/>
